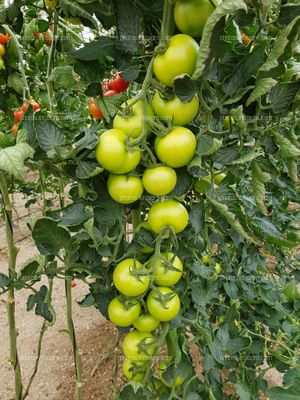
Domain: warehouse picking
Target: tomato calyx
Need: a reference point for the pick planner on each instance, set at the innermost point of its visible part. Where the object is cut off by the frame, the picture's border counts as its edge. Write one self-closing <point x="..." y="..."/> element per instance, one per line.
<point x="163" y="299"/>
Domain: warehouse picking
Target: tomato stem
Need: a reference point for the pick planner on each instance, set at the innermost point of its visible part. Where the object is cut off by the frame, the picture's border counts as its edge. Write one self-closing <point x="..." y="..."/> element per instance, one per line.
<point x="11" y="312"/>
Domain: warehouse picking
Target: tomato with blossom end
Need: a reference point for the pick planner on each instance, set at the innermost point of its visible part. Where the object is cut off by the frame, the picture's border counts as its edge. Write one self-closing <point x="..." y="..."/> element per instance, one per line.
<point x="119" y="84"/>
<point x="177" y="148"/>
<point x="129" y="366"/>
<point x="18" y="115"/>
<point x="159" y="180"/>
<point x="146" y="323"/>
<point x="124" y="189"/>
<point x="113" y="154"/>
<point x="131" y="278"/>
<point x="191" y="15"/>
<point x="132" y="124"/>
<point x="179" y="58"/>
<point x="163" y="303"/>
<point x="167" y="270"/>
<point x="175" y="110"/>
<point x="122" y="314"/>
<point x="138" y="346"/>
<point x="168" y="213"/>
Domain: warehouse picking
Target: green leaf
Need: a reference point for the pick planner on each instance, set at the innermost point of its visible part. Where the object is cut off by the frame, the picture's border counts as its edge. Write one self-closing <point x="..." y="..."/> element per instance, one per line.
<point x="49" y="237"/>
<point x="229" y="216"/>
<point x="286" y="147"/>
<point x="243" y="391"/>
<point x="227" y="7"/>
<point x="75" y="214"/>
<point x="279" y="47"/>
<point x="259" y="178"/>
<point x="197" y="216"/>
<point x="29" y="270"/>
<point x="207" y="145"/>
<point x="6" y="140"/>
<point x="292" y="166"/>
<point x="185" y="88"/>
<point x="282" y="96"/>
<point x="278" y="393"/>
<point x="12" y="159"/>
<point x="41" y="307"/>
<point x="184" y="182"/>
<point x="65" y="77"/>
<point x="247" y="157"/>
<point x="48" y="133"/>
<point x="73" y="9"/>
<point x="244" y="71"/>
<point x="4" y="281"/>
<point x="129" y="25"/>
<point x="15" y="81"/>
<point x="103" y="46"/>
<point x="288" y="12"/>
<point x="262" y="87"/>
<point x="87" y="169"/>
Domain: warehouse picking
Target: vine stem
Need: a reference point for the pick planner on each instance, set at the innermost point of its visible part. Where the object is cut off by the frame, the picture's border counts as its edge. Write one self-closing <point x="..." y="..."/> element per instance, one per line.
<point x="26" y="94"/>
<point x="70" y="30"/>
<point x="51" y="58"/>
<point x="72" y="334"/>
<point x="11" y="308"/>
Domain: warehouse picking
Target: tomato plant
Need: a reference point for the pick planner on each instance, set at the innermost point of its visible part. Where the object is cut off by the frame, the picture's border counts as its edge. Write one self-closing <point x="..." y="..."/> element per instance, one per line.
<point x="177" y="204"/>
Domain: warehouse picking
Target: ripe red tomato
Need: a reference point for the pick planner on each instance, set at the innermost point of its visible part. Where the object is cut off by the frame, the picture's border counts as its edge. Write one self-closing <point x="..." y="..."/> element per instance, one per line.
<point x="18" y="115"/>
<point x="118" y="83"/>
<point x="95" y="110"/>
<point x="4" y="38"/>
<point x="48" y="37"/>
<point x="34" y="104"/>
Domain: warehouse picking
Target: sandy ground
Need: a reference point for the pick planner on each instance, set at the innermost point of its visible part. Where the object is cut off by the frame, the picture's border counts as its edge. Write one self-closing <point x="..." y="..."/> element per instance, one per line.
<point x="55" y="378"/>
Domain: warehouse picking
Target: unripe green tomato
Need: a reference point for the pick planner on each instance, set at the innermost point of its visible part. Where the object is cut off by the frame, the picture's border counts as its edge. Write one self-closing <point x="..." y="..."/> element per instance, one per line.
<point x="205" y="259"/>
<point x="191" y="15"/>
<point x="124" y="189"/>
<point x="122" y="315"/>
<point x="163" y="365"/>
<point x="131" y="278"/>
<point x="179" y="58"/>
<point x="227" y="120"/>
<point x="177" y="148"/>
<point x="113" y="154"/>
<point x="168" y="269"/>
<point x="218" y="268"/>
<point x="219" y="178"/>
<point x="1" y="63"/>
<point x="146" y="323"/>
<point x="175" y="110"/>
<point x="202" y="184"/>
<point x="51" y="3"/>
<point x="128" y="369"/>
<point x="132" y="345"/>
<point x="159" y="180"/>
<point x="163" y="310"/>
<point x="133" y="124"/>
<point x="168" y="213"/>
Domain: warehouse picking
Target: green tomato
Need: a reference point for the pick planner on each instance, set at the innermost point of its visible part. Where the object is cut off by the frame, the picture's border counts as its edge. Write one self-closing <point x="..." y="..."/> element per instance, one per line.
<point x="112" y="152"/>
<point x="162" y="367"/>
<point x="205" y="259"/>
<point x="122" y="315"/>
<point x="168" y="269"/>
<point x="218" y="268"/>
<point x="124" y="189"/>
<point x="130" y="278"/>
<point x="177" y="148"/>
<point x="160" y="180"/>
<point x="203" y="184"/>
<point x="133" y="124"/>
<point x="131" y="369"/>
<point x="227" y="120"/>
<point x="219" y="178"/>
<point x="175" y="110"/>
<point x="138" y="346"/>
<point x="51" y="3"/>
<point x="146" y="323"/>
<point x="1" y="63"/>
<point x="163" y="307"/>
<point x="179" y="58"/>
<point x="191" y="15"/>
<point x="168" y="213"/>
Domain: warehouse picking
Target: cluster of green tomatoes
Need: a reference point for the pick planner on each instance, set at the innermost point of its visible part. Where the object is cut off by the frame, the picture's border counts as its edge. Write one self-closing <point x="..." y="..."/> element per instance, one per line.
<point x="146" y="297"/>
